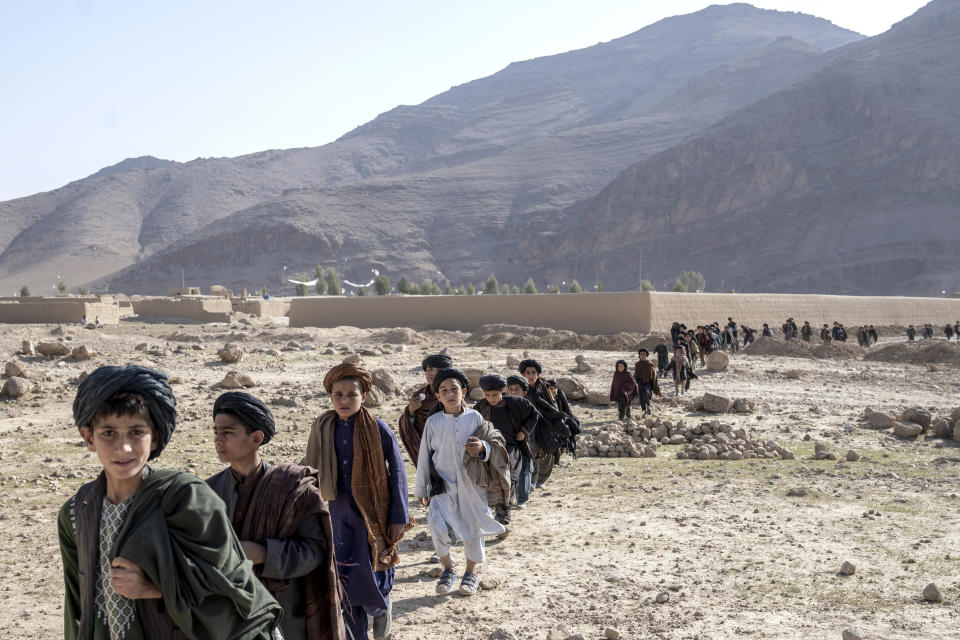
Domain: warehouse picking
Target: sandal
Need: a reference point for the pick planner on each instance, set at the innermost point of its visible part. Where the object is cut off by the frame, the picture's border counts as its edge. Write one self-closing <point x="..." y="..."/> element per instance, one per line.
<point x="445" y="583"/>
<point x="469" y="584"/>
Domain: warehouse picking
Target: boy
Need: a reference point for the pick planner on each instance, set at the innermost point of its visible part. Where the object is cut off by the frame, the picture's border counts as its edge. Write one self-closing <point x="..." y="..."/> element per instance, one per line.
<point x="149" y="553"/>
<point x="421" y="405"/>
<point x="515" y="418"/>
<point x="280" y="517"/>
<point x="362" y="478"/>
<point x="646" y="376"/>
<point x="462" y="466"/>
<point x="663" y="355"/>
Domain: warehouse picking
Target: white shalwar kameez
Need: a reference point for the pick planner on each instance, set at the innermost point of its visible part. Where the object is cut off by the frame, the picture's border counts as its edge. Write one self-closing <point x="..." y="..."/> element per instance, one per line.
<point x="463" y="506"/>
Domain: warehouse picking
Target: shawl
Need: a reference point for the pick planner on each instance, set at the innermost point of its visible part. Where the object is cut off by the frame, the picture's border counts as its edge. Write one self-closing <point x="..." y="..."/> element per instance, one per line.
<point x="411" y="429"/>
<point x="369" y="479"/>
<point x="492" y="474"/>
<point x="623" y="385"/>
<point x="646" y="373"/>
<point x="285" y="495"/>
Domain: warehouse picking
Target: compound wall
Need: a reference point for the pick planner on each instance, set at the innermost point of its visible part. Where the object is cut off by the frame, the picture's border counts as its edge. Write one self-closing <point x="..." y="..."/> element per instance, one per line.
<point x="262" y="308"/>
<point x="36" y="310"/>
<point x="202" y="309"/>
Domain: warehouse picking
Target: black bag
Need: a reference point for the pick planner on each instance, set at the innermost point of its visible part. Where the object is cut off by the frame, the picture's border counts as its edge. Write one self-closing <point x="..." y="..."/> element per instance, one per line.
<point x="552" y="434"/>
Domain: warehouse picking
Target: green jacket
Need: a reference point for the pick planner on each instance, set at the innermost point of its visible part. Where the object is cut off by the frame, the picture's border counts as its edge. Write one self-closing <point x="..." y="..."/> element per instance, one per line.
<point x="177" y="531"/>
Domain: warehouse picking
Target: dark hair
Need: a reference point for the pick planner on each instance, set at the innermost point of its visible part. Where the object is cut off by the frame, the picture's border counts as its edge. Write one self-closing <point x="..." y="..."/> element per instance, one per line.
<point x="122" y="404"/>
<point x="642" y="350"/>
<point x="624" y="363"/>
<point x="530" y="362"/>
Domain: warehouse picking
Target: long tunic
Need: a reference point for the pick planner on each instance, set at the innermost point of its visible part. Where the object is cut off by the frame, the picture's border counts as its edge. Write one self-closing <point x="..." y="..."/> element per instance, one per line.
<point x="362" y="586"/>
<point x="462" y="507"/>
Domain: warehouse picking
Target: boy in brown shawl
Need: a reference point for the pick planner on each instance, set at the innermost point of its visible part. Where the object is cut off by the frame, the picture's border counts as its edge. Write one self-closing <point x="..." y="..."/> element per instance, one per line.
<point x="646" y="376"/>
<point x="421" y="405"/>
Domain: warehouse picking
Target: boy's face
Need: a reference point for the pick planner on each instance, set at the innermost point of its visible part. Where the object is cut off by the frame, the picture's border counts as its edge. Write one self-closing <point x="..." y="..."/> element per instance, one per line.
<point x="231" y="440"/>
<point x="530" y="373"/>
<point x="347" y="398"/>
<point x="494" y="396"/>
<point x="620" y="367"/>
<point x="122" y="443"/>
<point x="429" y="373"/>
<point x="450" y="394"/>
<point x="516" y="390"/>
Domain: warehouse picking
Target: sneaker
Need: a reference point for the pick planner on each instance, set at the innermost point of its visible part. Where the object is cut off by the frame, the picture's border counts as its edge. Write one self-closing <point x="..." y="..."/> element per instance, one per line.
<point x="469" y="584"/>
<point x="539" y="485"/>
<point x="383" y="624"/>
<point x="520" y="505"/>
<point x="445" y="583"/>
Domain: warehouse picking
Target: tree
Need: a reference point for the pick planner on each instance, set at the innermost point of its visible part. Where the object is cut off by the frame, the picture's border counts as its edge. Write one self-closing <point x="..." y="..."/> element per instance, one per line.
<point x="334" y="288"/>
<point x="264" y="291"/>
<point x="598" y="286"/>
<point x="506" y="289"/>
<point x="529" y="287"/>
<point x="82" y="290"/>
<point x="321" y="286"/>
<point x="693" y="281"/>
<point x="403" y="285"/>
<point x="470" y="290"/>
<point x="382" y="285"/>
<point x="492" y="287"/>
<point x="413" y="289"/>
<point x="679" y="287"/>
<point x="515" y="290"/>
<point x="426" y="287"/>
<point x="553" y="289"/>
<point x="460" y="291"/>
<point x="24" y="292"/>
<point x="302" y="289"/>
<point x="62" y="287"/>
<point x="575" y="287"/>
<point x="448" y="290"/>
<point x="361" y="291"/>
<point x="646" y="285"/>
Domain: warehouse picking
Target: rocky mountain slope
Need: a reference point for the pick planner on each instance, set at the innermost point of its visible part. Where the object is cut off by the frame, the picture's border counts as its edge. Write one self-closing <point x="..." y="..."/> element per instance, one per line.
<point x="848" y="182"/>
<point x="431" y="190"/>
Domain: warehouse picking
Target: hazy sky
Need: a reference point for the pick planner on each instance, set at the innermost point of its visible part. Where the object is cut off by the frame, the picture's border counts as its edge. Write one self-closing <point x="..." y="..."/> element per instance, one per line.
<point x="87" y="83"/>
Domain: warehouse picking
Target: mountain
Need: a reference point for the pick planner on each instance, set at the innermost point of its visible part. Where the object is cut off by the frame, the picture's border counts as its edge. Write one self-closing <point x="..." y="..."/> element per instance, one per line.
<point x="433" y="190"/>
<point x="847" y="182"/>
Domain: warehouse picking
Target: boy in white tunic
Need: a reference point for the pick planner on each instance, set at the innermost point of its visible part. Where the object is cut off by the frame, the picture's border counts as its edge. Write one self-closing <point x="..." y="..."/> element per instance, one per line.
<point x="462" y="463"/>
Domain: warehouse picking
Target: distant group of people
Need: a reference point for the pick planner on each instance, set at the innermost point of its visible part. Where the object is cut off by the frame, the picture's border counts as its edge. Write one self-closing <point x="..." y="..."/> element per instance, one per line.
<point x="927" y="332"/>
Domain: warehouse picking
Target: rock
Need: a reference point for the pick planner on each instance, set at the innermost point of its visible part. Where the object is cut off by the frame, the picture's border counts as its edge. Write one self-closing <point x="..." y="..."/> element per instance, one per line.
<point x="473" y="377"/>
<point x="52" y="348"/>
<point x="231" y="352"/>
<point x="584" y="367"/>
<point x="501" y="634"/>
<point x="574" y="389"/>
<point x="848" y="569"/>
<point x="513" y="361"/>
<point x="236" y="380"/>
<point x="14" y="369"/>
<point x="956" y="431"/>
<point x="941" y="429"/>
<point x="15" y="388"/>
<point x="26" y="348"/>
<point x="369" y="352"/>
<point x="664" y="596"/>
<point x="852" y="633"/>
<point x="558" y="633"/>
<point x="881" y="420"/>
<point x="384" y="381"/>
<point x="741" y="405"/>
<point x="713" y="403"/>
<point x="932" y="593"/>
<point x="353" y="358"/>
<point x="717" y="361"/>
<point x="82" y="353"/>
<point x="793" y="374"/>
<point x="598" y="398"/>
<point x="475" y="394"/>
<point x="649" y="452"/>
<point x="919" y="416"/>
<point x="612" y="634"/>
<point x="435" y="572"/>
<point x="798" y="492"/>
<point x="489" y="584"/>
<point x="374" y="398"/>
<point x="786" y="454"/>
<point x="907" y="429"/>
<point x="852" y="455"/>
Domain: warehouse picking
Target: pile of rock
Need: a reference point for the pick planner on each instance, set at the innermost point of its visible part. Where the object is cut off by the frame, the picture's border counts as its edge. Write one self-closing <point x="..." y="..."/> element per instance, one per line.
<point x="715" y="441"/>
<point x="916" y="423"/>
<point x="713" y="403"/>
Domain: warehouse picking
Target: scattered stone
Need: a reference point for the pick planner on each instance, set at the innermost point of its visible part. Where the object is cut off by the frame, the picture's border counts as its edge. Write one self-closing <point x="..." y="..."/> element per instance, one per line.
<point x="713" y="403"/>
<point x="374" y="398"/>
<point x="798" y="492"/>
<point x="932" y="593"/>
<point x="741" y="405"/>
<point x="852" y="455"/>
<point x="501" y="634"/>
<point x="663" y="597"/>
<point x="353" y="358"/>
<point x="612" y="634"/>
<point x="384" y="381"/>
<point x="52" y="348"/>
<point x="821" y="452"/>
<point x="848" y="569"/>
<point x="793" y="374"/>
<point x="558" y="633"/>
<point x="26" y="348"/>
<point x="435" y="572"/>
<point x="513" y="362"/>
<point x="852" y="633"/>
<point x="236" y="380"/>
<point x="489" y="584"/>
<point x="82" y="353"/>
<point x="717" y="361"/>
<point x="919" y="416"/>
<point x="941" y="429"/>
<point x="907" y="429"/>
<point x="14" y="369"/>
<point x="231" y="352"/>
<point x="15" y="388"/>
<point x="881" y="420"/>
<point x="584" y="367"/>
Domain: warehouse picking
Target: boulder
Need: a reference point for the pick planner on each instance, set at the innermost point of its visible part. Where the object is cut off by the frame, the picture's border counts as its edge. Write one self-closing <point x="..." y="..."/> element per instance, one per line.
<point x="374" y="398"/>
<point x="26" y="348"/>
<point x="851" y="633"/>
<point x="513" y="362"/>
<point x="848" y="569"/>
<point x="907" y="429"/>
<point x="584" y="367"/>
<point x="231" y="352"/>
<point x="52" y="348"/>
<point x="713" y="403"/>
<point x="353" y="358"/>
<point x="573" y="389"/>
<point x="941" y="429"/>
<point x="14" y="369"/>
<point x="82" y="353"/>
<point x="881" y="420"/>
<point x="932" y="593"/>
<point x="473" y="377"/>
<point x="237" y="380"/>
<point x="15" y="388"/>
<point x="793" y="374"/>
<point x="918" y="416"/>
<point x="384" y="381"/>
<point x="717" y="361"/>
<point x="741" y="405"/>
<point x="852" y="456"/>
<point x="475" y="393"/>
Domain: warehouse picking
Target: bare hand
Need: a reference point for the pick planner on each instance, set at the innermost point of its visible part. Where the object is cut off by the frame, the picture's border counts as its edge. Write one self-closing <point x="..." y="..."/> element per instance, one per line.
<point x="394" y="532"/>
<point x="519" y="436"/>
<point x="129" y="581"/>
<point x="473" y="446"/>
<point x="256" y="553"/>
<point x="425" y="502"/>
<point x="414" y="404"/>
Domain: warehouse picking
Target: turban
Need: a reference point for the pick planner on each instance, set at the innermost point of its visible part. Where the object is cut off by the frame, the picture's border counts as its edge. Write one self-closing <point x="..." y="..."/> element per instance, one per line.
<point x="492" y="382"/>
<point x="249" y="410"/>
<point x="443" y="374"/>
<point x="437" y="361"/>
<point x="348" y="370"/>
<point x="149" y="384"/>
<point x="642" y="351"/>
<point x="526" y="364"/>
<point x="518" y="380"/>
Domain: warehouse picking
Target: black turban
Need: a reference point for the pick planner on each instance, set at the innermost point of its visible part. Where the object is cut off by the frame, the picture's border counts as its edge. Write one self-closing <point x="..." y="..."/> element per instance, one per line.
<point x="443" y="374"/>
<point x="437" y="361"/>
<point x="249" y="410"/>
<point x="526" y="364"/>
<point x="520" y="380"/>
<point x="149" y="384"/>
<point x="492" y="382"/>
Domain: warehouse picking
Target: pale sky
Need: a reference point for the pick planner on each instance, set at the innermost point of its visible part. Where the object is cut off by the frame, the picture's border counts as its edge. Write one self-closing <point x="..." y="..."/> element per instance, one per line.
<point x="87" y="83"/>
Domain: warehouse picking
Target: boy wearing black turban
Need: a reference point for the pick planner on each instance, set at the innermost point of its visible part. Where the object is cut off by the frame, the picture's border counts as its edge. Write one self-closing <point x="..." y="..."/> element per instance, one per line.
<point x="280" y="517"/>
<point x="421" y="405"/>
<point x="126" y="537"/>
<point x="554" y="409"/>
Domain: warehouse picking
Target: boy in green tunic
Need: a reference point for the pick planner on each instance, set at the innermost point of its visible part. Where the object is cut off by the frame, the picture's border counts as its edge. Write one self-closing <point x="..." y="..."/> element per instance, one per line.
<point x="150" y="553"/>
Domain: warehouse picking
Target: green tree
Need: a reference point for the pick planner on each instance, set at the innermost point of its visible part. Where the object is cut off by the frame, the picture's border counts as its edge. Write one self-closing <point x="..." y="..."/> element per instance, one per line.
<point x="515" y="290"/>
<point x="471" y="291"/>
<point x="529" y="287"/>
<point x="553" y="289"/>
<point x="361" y="291"/>
<point x="62" y="287"/>
<point x="413" y="289"/>
<point x="403" y="285"/>
<point x="264" y="291"/>
<point x="334" y="287"/>
<point x="646" y="285"/>
<point x="81" y="290"/>
<point x="506" y="289"/>
<point x="321" y="286"/>
<point x="24" y="291"/>
<point x="460" y="291"/>
<point x="302" y="289"/>
<point x="575" y="287"/>
<point x="693" y="281"/>
<point x="382" y="285"/>
<point x="492" y="287"/>
<point x="426" y="287"/>
<point x="448" y="289"/>
<point x="679" y="287"/>
<point x="598" y="286"/>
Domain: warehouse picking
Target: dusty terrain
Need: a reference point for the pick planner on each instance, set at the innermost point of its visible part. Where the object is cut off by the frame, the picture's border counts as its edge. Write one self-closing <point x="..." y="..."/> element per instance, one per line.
<point x="593" y="550"/>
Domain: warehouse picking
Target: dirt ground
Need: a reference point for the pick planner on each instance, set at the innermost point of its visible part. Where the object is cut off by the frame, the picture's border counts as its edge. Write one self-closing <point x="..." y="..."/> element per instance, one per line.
<point x="596" y="546"/>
